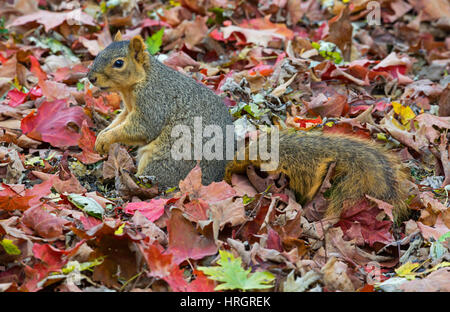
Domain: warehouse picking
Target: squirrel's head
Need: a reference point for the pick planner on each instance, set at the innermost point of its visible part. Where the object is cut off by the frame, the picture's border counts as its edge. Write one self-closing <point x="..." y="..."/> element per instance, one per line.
<point x="120" y="65"/>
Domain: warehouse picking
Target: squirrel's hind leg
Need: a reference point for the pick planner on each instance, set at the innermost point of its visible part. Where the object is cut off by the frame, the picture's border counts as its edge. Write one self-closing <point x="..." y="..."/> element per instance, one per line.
<point x="148" y="153"/>
<point x="154" y="159"/>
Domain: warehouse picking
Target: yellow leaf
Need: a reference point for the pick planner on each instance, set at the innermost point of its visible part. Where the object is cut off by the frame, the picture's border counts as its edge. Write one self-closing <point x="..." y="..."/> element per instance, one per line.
<point x="119" y="231"/>
<point x="405" y="112"/>
<point x="440" y="265"/>
<point x="397" y="124"/>
<point x="407" y="269"/>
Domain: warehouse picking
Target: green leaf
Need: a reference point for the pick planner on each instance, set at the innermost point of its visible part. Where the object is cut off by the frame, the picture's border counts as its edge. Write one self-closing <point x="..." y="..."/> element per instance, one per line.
<point x="55" y="46"/>
<point x="34" y="161"/>
<point x="75" y="265"/>
<point x="154" y="42"/>
<point x="247" y="200"/>
<point x="171" y="190"/>
<point x="329" y="51"/>
<point x="80" y="86"/>
<point x="233" y="276"/>
<point x="437" y="250"/>
<point x="382" y="136"/>
<point x="3" y="30"/>
<point x="10" y="248"/>
<point x="220" y="15"/>
<point x="88" y="205"/>
<point x="444" y="237"/>
<point x="103" y="7"/>
<point x="251" y="108"/>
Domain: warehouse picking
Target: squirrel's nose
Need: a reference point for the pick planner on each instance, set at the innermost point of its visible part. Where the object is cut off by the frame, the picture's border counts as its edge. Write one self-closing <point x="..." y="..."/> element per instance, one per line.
<point x="92" y="79"/>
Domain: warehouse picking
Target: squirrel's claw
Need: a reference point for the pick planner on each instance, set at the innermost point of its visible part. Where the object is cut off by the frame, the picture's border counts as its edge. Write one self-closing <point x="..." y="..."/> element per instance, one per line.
<point x="101" y="144"/>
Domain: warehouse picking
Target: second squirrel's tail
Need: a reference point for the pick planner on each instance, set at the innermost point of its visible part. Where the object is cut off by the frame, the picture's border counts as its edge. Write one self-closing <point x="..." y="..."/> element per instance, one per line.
<point x="361" y="168"/>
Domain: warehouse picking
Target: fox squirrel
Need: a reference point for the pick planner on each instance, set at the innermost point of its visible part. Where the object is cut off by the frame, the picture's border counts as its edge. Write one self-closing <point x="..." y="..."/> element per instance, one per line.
<point x="157" y="98"/>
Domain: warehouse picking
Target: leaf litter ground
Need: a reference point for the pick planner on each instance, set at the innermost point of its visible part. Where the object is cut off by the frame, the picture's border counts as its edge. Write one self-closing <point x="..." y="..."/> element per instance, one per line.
<point x="73" y="220"/>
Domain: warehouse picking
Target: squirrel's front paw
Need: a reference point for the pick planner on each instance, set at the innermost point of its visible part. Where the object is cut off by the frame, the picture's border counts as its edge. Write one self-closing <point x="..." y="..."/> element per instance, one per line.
<point x="102" y="143"/>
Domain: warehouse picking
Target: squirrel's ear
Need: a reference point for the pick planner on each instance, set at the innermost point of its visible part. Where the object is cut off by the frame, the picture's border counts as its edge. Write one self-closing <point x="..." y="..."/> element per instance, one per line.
<point x="118" y="36"/>
<point x="137" y="48"/>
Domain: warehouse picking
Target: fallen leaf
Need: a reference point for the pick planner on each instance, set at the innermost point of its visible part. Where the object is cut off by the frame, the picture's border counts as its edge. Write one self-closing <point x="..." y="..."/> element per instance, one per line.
<point x="348" y="250"/>
<point x="227" y="211"/>
<point x="51" y="20"/>
<point x="340" y="32"/>
<point x="151" y="210"/>
<point x="242" y="186"/>
<point x="335" y="276"/>
<point x="51" y="123"/>
<point x="118" y="159"/>
<point x="43" y="222"/>
<point x="71" y="185"/>
<point x="184" y="240"/>
<point x="435" y="282"/>
<point x="360" y="221"/>
<point x="87" y="143"/>
<point x="216" y="191"/>
<point x="11" y="200"/>
<point x="435" y="232"/>
<point x="161" y="265"/>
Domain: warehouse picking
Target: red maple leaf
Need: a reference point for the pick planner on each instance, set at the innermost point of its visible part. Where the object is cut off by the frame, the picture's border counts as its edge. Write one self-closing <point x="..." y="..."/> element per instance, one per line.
<point x="11" y="200"/>
<point x="33" y="276"/>
<point x="39" y="190"/>
<point x="36" y="69"/>
<point x="87" y="143"/>
<point x="51" y="123"/>
<point x="201" y="283"/>
<point x="43" y="222"/>
<point x="196" y="210"/>
<point x="151" y="210"/>
<point x="159" y="263"/>
<point x="273" y="240"/>
<point x="305" y="123"/>
<point x="16" y="97"/>
<point x="162" y="266"/>
<point x="65" y="73"/>
<point x="360" y="222"/>
<point x="212" y="193"/>
<point x="89" y="222"/>
<point x="97" y="104"/>
<point x="184" y="240"/>
<point x="53" y="259"/>
<point x="264" y="69"/>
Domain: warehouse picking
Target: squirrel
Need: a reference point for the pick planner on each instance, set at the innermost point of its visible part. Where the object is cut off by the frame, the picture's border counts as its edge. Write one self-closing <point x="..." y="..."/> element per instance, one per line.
<point x="157" y="99"/>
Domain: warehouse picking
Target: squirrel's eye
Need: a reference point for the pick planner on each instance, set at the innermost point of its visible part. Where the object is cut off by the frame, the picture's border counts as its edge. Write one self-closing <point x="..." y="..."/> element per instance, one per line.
<point x="118" y="63"/>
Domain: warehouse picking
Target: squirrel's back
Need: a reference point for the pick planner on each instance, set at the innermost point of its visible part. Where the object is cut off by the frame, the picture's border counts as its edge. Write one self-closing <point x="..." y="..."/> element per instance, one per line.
<point x="180" y="96"/>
